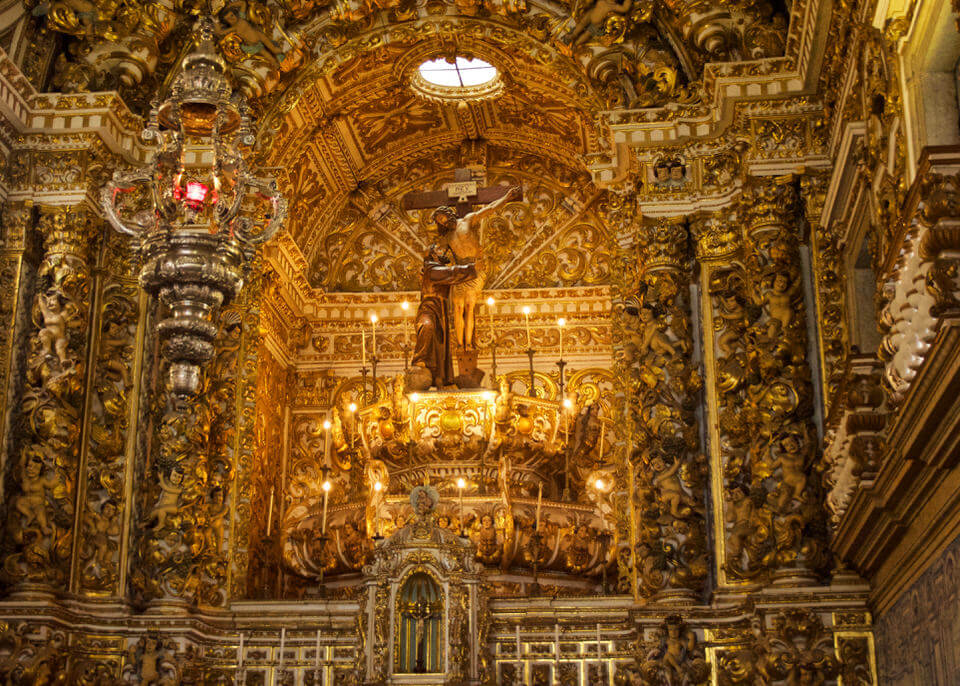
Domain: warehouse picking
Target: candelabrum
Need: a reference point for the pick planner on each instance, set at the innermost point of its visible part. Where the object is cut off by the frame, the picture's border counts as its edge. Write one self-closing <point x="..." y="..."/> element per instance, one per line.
<point x="196" y="212"/>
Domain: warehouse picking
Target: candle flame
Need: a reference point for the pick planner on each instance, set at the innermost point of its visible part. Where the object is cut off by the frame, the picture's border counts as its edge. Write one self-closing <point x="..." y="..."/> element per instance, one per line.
<point x="404" y="306"/>
<point x="377" y="486"/>
<point x="490" y="301"/>
<point x="461" y="483"/>
<point x="526" y="309"/>
<point x="326" y="485"/>
<point x="374" y="318"/>
<point x="352" y="407"/>
<point x="326" y="425"/>
<point x="561" y="322"/>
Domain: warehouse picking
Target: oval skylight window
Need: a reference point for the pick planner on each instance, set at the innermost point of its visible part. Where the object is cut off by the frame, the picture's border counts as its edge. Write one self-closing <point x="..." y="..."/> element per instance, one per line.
<point x="461" y="73"/>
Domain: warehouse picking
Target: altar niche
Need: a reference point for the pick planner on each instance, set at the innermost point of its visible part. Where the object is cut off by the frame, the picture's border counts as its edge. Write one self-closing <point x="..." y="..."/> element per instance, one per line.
<point x="420" y="620"/>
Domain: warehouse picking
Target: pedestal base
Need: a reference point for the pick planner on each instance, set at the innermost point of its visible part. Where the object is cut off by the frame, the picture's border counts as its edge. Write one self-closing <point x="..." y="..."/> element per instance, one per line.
<point x="468" y="376"/>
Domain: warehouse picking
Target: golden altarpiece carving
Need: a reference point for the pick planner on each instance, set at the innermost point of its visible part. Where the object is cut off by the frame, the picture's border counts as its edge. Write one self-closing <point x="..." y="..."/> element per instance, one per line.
<point x="636" y="470"/>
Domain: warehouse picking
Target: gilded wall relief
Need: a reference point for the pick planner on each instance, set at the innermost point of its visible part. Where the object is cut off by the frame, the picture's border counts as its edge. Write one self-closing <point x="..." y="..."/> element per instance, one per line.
<point x="42" y="478"/>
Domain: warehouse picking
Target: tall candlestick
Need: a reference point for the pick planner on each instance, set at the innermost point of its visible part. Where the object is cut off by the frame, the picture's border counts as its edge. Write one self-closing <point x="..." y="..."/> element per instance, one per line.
<point x="373" y="322"/>
<point x="526" y="317"/>
<point x="599" y="656"/>
<point x="326" y="442"/>
<point x="556" y="643"/>
<point x="539" y="499"/>
<point x="519" y="660"/>
<point x="270" y="514"/>
<point x="326" y="496"/>
<point x="363" y="347"/>
<point x="460" y="486"/>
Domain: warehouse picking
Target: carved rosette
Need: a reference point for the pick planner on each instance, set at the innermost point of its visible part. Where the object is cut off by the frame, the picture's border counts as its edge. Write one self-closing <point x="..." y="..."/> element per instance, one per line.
<point x="670" y="472"/>
<point x="782" y="472"/>
<point x="42" y="479"/>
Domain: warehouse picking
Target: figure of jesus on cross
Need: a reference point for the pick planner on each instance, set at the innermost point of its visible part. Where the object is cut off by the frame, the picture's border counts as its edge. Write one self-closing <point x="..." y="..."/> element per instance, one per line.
<point x="458" y="230"/>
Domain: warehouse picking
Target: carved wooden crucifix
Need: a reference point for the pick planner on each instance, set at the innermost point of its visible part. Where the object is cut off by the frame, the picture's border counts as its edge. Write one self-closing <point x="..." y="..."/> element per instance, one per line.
<point x="462" y="195"/>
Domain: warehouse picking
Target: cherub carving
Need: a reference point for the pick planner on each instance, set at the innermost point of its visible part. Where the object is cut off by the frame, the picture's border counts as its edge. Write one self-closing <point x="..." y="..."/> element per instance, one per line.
<point x="104" y="529"/>
<point x="488" y="545"/>
<point x="667" y="483"/>
<point x="32" y="502"/>
<point x="233" y="21"/>
<point x="792" y="459"/>
<point x="648" y="336"/>
<point x="53" y="335"/>
<point x="170" y="491"/>
<point x="780" y="300"/>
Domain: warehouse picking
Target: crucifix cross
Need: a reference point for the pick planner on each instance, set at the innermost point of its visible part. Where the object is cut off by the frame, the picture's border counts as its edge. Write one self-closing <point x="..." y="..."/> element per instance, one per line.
<point x="462" y="194"/>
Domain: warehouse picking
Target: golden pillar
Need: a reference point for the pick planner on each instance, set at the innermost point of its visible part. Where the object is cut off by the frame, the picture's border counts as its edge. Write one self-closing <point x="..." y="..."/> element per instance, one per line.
<point x="42" y="476"/>
<point x="766" y="477"/>
<point x="16" y="219"/>
<point x="110" y="415"/>
<point x="669" y="470"/>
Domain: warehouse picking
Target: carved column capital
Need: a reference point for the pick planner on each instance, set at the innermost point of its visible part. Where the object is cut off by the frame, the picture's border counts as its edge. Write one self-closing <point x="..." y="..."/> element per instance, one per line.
<point x="663" y="245"/>
<point x="716" y="236"/>
<point x="66" y="231"/>
<point x="769" y="203"/>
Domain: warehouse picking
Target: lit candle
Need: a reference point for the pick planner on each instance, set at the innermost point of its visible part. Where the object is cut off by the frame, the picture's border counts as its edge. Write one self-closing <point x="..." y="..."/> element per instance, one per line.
<point x="560" y="324"/>
<point x="377" y="486"/>
<point x="316" y="658"/>
<point x="461" y="484"/>
<point x="526" y="317"/>
<point x="270" y="514"/>
<point x="373" y="322"/>
<point x="413" y="412"/>
<point x="599" y="657"/>
<point x="405" y="306"/>
<point x="283" y="642"/>
<point x="363" y="347"/>
<point x="353" y="434"/>
<point x="603" y="427"/>
<point x="539" y="499"/>
<point x="326" y="496"/>
<point x="490" y="303"/>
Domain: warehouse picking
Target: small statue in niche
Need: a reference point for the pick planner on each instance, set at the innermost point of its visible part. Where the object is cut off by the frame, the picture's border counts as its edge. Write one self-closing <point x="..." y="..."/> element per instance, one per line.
<point x="739" y="516"/>
<point x="376" y="474"/>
